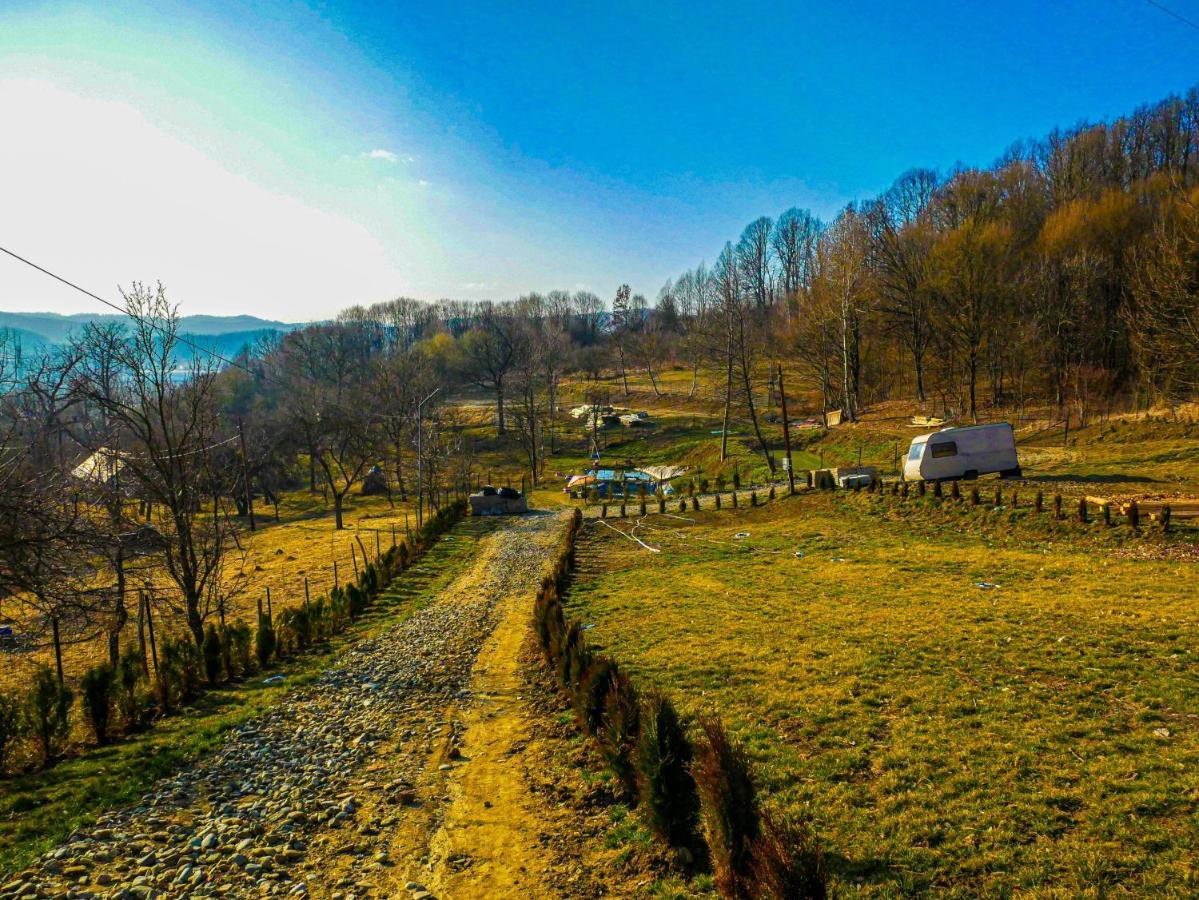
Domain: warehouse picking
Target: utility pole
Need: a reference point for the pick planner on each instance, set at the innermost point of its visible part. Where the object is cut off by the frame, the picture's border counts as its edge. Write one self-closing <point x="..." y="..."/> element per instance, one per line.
<point x="786" y="436"/>
<point x="245" y="473"/>
<point x="420" y="463"/>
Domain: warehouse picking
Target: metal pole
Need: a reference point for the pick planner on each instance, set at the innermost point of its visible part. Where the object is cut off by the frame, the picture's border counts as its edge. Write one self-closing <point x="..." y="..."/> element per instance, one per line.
<point x="786" y="435"/>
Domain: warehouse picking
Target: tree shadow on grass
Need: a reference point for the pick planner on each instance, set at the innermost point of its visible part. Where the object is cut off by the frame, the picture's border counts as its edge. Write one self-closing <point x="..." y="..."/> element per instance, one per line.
<point x="1098" y="478"/>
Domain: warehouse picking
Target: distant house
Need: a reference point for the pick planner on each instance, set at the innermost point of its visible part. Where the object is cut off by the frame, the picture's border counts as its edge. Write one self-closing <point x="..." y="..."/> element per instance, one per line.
<point x="103" y="468"/>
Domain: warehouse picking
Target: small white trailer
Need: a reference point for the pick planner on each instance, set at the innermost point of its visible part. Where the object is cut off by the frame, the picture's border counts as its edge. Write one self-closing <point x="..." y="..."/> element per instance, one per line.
<point x="954" y="453"/>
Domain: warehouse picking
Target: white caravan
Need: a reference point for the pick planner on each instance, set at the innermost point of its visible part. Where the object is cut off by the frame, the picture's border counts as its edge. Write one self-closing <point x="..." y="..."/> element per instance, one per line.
<point x="953" y="453"/>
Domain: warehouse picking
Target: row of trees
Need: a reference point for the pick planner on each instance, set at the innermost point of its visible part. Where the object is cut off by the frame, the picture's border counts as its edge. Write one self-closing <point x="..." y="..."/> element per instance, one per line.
<point x="1065" y="270"/>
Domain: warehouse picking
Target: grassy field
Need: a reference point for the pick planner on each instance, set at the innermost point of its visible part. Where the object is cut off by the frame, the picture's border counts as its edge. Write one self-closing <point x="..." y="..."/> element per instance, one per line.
<point x="1040" y="736"/>
<point x="41" y="808"/>
<point x="278" y="555"/>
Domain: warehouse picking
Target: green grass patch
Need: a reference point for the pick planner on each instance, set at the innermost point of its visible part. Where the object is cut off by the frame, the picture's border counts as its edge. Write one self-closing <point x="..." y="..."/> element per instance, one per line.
<point x="1038" y="736"/>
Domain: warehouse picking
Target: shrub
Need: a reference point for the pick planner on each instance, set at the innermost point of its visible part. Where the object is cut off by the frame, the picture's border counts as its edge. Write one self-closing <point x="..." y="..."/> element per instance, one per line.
<point x="11" y="726"/>
<point x="96" y="688"/>
<point x="728" y="809"/>
<point x="46" y="712"/>
<point x="211" y="649"/>
<point x="736" y="479"/>
<point x="357" y="601"/>
<point x="126" y="683"/>
<point x="179" y="668"/>
<point x="703" y="485"/>
<point x="720" y="482"/>
<point x="620" y="728"/>
<point x="235" y="649"/>
<point x="264" y="641"/>
<point x="664" y="781"/>
<point x="593" y="686"/>
<point x="301" y="622"/>
<point x="787" y="862"/>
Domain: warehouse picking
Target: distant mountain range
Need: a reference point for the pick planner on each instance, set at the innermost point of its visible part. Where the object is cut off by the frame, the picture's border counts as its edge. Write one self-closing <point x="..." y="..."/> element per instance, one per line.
<point x="226" y="335"/>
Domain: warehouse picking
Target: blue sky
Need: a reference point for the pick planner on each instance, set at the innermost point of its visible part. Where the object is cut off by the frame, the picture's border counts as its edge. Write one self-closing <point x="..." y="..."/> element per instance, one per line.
<point x="287" y="159"/>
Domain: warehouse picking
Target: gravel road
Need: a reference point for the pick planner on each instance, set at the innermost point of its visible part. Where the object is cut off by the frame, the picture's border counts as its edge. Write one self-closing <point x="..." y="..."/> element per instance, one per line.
<point x="305" y="800"/>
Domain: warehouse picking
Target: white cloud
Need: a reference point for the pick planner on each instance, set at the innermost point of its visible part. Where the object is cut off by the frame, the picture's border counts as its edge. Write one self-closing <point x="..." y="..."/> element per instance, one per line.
<point x="138" y="203"/>
<point x="385" y="155"/>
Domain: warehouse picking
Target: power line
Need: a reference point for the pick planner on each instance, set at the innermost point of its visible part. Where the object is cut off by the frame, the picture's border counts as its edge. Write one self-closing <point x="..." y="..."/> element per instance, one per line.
<point x="127" y="312"/>
<point x="1181" y="18"/>
<point x="175" y="335"/>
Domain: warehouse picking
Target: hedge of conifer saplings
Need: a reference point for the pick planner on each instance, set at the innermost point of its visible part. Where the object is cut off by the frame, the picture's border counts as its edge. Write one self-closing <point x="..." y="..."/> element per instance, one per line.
<point x="697" y="797"/>
<point x="124" y="695"/>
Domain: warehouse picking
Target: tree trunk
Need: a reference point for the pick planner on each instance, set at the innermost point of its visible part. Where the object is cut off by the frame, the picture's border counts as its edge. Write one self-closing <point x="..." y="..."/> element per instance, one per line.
<point x="499" y="406"/>
<point x="753" y="415"/>
<point x="847" y="410"/>
<point x="728" y="398"/>
<point x="337" y="498"/>
<point x="120" y="615"/>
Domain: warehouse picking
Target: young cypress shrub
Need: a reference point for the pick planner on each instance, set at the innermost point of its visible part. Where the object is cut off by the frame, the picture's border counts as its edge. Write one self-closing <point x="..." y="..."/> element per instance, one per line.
<point x="921" y="488"/>
<point x="620" y="730"/>
<point x="736" y="479"/>
<point x="717" y="501"/>
<point x="998" y="499"/>
<point x="642" y="506"/>
<point x="787" y="862"/>
<point x="593" y="687"/>
<point x="211" y="648"/>
<point x="11" y="726"/>
<point x="1167" y="513"/>
<point x="1082" y="511"/>
<point x="96" y="689"/>
<point x="264" y="641"/>
<point x="695" y="504"/>
<point x="46" y="710"/>
<point x="937" y="492"/>
<point x="1039" y="502"/>
<point x="772" y="494"/>
<point x="1057" y="506"/>
<point x="753" y="498"/>
<point x="683" y="505"/>
<point x="357" y="601"/>
<point x="127" y="684"/>
<point x="955" y="492"/>
<point x="728" y="809"/>
<point x="666" y="787"/>
<point x="1134" y="514"/>
<point x="661" y="504"/>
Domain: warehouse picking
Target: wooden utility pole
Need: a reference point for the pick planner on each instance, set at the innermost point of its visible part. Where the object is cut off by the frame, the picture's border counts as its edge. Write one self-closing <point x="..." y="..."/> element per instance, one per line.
<point x="786" y="435"/>
<point x="245" y="474"/>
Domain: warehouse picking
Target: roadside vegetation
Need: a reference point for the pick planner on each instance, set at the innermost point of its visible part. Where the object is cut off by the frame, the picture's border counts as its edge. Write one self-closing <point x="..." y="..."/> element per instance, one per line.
<point x="39" y="808"/>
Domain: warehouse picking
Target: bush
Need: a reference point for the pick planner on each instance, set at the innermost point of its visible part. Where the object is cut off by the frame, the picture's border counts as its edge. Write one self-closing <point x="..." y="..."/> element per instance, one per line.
<point x="728" y="809"/>
<point x="703" y="485"/>
<point x="264" y="641"/>
<point x="96" y="688"/>
<point x="126" y="683"/>
<point x="736" y="479"/>
<point x="664" y="781"/>
<point x="357" y="601"/>
<point x="11" y="726"/>
<point x="179" y="667"/>
<point x="46" y="712"/>
<point x="619" y="730"/>
<point x="787" y="862"/>
<point x="235" y="649"/>
<point x="594" y="683"/>
<point x="211" y="649"/>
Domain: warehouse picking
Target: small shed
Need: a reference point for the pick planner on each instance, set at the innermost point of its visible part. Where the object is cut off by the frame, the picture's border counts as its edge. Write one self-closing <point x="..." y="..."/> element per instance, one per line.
<point x="102" y="468"/>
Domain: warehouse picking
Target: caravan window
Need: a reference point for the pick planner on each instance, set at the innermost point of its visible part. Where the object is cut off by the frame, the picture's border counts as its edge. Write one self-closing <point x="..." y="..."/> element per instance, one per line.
<point x="914" y="453"/>
<point x="945" y="448"/>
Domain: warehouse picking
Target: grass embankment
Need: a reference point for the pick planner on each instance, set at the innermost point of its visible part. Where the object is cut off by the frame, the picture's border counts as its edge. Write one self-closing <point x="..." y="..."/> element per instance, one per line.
<point x="40" y="809"/>
<point x="1040" y="735"/>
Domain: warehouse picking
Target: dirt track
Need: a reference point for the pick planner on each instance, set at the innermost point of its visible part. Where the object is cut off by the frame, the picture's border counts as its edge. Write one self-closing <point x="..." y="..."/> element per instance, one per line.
<point x="394" y="774"/>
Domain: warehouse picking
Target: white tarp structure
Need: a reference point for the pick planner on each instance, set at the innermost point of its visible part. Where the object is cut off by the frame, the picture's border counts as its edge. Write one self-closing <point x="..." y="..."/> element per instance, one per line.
<point x="102" y="467"/>
<point x="663" y="473"/>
